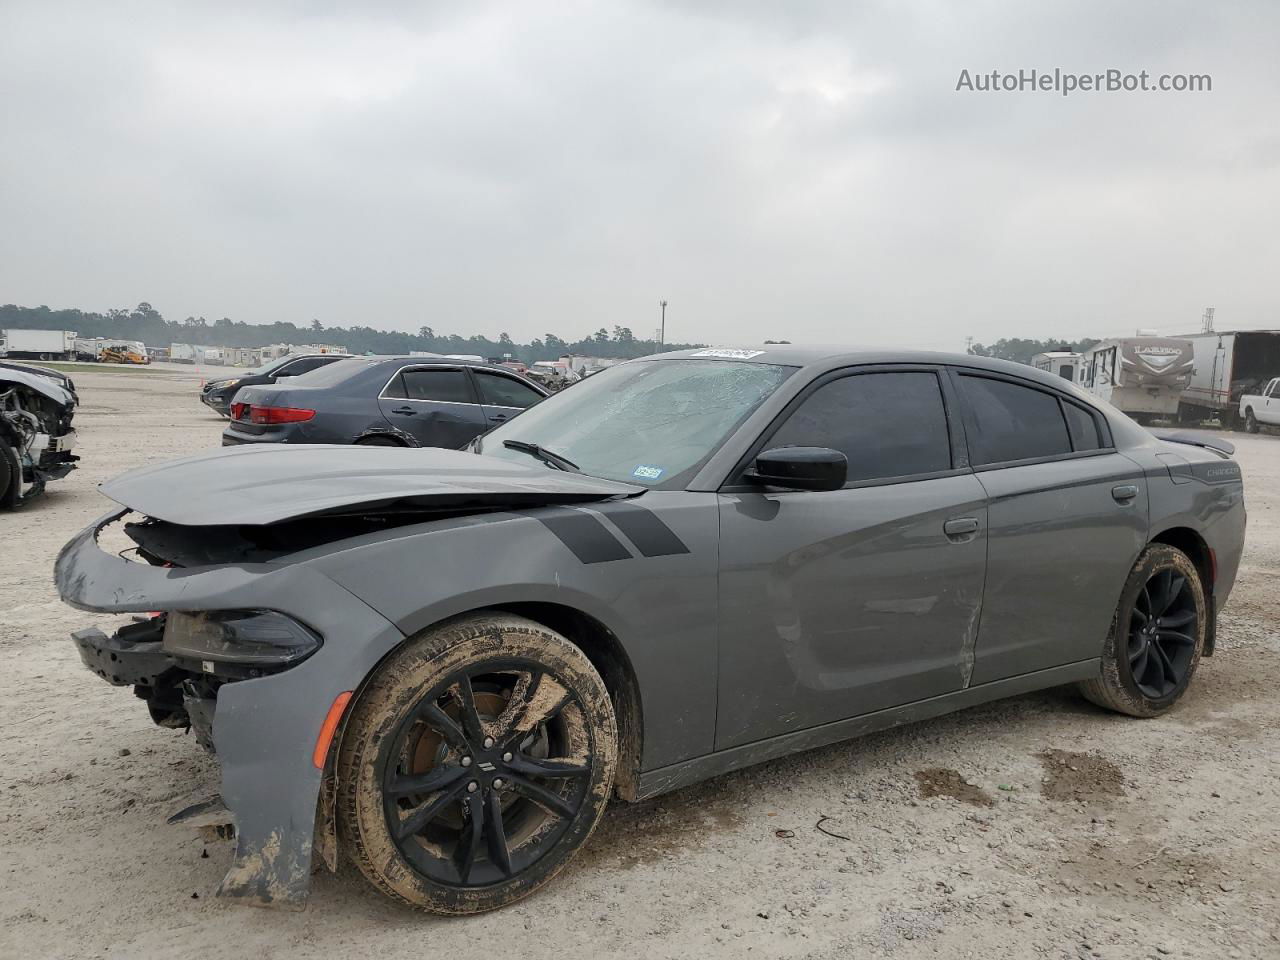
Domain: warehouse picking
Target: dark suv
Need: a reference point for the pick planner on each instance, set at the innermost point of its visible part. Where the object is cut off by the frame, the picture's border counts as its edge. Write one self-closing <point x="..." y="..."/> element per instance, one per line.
<point x="218" y="394"/>
<point x="388" y="401"/>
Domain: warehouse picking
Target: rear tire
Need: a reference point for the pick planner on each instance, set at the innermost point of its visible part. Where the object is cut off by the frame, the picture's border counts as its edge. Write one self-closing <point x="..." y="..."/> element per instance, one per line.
<point x="477" y="761"/>
<point x="1156" y="637"/>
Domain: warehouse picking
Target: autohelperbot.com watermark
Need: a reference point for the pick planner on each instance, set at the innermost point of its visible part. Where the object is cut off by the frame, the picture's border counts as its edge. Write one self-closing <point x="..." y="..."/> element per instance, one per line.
<point x="1066" y="82"/>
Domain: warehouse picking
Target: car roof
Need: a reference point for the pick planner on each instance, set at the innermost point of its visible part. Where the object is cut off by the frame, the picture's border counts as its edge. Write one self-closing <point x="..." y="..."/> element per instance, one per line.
<point x="820" y="357"/>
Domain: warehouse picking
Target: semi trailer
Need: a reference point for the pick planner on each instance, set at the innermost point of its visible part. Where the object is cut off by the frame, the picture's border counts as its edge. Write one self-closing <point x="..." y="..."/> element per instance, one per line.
<point x="1228" y="365"/>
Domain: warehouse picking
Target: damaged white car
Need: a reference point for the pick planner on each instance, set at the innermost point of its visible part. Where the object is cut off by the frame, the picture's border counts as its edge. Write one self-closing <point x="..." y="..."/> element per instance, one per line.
<point x="36" y="436"/>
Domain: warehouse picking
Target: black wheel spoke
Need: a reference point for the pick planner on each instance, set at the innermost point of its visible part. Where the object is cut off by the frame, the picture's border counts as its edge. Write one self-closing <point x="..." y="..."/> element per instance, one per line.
<point x="1172" y="589"/>
<point x="1167" y="674"/>
<point x="548" y="800"/>
<point x="550" y="769"/>
<point x="416" y="821"/>
<point x="472" y="839"/>
<point x="1145" y="597"/>
<point x="469" y="714"/>
<point x="499" y="852"/>
<point x="1175" y="636"/>
<point x="1138" y="615"/>
<point x="543" y="700"/>
<point x="1138" y="664"/>
<point x="1178" y="619"/>
<point x="435" y="718"/>
<point x="421" y="783"/>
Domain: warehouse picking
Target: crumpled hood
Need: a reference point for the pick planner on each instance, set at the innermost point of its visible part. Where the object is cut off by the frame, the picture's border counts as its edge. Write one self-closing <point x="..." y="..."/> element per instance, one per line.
<point x="40" y="384"/>
<point x="267" y="484"/>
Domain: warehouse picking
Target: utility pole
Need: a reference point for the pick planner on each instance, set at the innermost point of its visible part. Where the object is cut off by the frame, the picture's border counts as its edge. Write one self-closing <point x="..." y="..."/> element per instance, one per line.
<point x="662" y="330"/>
<point x="968" y="344"/>
<point x="1206" y="321"/>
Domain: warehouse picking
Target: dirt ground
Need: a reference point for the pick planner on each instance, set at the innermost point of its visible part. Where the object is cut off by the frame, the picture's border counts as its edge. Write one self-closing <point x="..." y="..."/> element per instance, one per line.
<point x="1035" y="827"/>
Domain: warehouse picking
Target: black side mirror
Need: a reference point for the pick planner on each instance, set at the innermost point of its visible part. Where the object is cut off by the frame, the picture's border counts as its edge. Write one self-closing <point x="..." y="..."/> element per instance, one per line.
<point x="801" y="468"/>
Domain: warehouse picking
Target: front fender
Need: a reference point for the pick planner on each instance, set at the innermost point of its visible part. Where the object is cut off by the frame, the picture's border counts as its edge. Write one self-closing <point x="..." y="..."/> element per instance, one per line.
<point x="657" y="594"/>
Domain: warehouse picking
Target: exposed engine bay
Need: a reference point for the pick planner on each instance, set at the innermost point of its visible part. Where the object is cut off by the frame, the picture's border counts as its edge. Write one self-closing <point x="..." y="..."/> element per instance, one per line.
<point x="36" y="436"/>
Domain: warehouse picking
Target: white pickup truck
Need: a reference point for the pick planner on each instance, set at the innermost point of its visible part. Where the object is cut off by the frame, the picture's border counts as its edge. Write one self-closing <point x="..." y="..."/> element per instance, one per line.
<point x="1257" y="409"/>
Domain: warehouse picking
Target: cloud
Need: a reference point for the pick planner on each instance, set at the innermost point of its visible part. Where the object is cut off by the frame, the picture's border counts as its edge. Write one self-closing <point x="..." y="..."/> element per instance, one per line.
<point x="800" y="169"/>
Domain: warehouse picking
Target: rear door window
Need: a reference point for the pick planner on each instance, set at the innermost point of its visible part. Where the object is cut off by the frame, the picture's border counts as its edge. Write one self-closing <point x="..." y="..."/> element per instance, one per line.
<point x="1013" y="422"/>
<point x="499" y="391"/>
<point x="891" y="424"/>
<point x="443" y="386"/>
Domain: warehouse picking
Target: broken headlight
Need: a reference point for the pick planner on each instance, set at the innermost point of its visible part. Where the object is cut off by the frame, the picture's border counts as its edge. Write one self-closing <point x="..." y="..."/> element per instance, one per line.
<point x="248" y="637"/>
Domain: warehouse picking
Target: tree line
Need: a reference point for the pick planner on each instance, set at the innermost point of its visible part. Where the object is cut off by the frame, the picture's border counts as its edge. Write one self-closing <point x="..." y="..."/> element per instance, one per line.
<point x="147" y="324"/>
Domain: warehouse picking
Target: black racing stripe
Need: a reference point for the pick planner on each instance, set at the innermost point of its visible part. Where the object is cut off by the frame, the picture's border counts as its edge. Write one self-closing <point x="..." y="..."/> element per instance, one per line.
<point x="583" y="534"/>
<point x="642" y="527"/>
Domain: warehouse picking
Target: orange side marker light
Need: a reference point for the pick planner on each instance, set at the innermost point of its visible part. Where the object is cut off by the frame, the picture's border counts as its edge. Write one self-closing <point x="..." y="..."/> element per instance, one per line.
<point x="329" y="728"/>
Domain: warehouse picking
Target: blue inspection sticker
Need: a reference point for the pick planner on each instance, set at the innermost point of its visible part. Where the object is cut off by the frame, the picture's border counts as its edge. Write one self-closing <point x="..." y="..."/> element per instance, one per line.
<point x="644" y="472"/>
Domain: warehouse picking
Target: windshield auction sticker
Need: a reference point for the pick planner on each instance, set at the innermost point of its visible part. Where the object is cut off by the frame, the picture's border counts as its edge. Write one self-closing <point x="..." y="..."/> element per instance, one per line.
<point x="727" y="354"/>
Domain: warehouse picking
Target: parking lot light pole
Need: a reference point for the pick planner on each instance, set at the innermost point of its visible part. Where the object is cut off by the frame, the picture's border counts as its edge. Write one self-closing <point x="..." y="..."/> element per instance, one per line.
<point x="662" y="330"/>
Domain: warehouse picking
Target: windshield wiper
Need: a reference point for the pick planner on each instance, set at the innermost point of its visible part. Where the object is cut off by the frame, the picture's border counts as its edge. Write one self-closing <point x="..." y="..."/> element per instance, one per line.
<point x="549" y="457"/>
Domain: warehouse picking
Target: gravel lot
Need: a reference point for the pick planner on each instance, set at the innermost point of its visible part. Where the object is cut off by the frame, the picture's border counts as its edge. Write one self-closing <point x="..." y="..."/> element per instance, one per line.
<point x="1039" y="826"/>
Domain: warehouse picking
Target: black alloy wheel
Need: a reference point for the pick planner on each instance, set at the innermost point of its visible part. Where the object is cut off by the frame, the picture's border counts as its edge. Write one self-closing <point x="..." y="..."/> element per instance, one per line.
<point x="475" y="762"/>
<point x="1157" y="635"/>
<point x="1162" y="634"/>
<point x="485" y="774"/>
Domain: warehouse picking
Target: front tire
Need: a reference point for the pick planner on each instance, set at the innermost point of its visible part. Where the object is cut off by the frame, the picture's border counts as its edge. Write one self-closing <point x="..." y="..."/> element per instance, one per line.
<point x="1157" y="636"/>
<point x="1250" y="421"/>
<point x="478" y="760"/>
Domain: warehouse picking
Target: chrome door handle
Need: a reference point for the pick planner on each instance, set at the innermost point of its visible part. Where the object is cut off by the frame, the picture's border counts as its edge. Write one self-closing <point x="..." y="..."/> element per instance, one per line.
<point x="1124" y="493"/>
<point x="961" y="528"/>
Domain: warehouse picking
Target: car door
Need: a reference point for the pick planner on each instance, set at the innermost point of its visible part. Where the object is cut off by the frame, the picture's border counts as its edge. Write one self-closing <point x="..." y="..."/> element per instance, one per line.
<point x="1066" y="517"/>
<point x="436" y="405"/>
<point x="839" y="603"/>
<point x="503" y="396"/>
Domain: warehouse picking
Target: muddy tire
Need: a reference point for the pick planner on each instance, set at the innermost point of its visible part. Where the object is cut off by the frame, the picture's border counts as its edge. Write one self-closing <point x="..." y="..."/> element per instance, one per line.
<point x="1156" y="637"/>
<point x="478" y="759"/>
<point x="1250" y="421"/>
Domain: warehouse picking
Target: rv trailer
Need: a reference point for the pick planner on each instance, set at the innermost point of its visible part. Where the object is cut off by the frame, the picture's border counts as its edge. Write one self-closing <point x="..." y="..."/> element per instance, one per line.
<point x="1061" y="363"/>
<point x="1141" y="376"/>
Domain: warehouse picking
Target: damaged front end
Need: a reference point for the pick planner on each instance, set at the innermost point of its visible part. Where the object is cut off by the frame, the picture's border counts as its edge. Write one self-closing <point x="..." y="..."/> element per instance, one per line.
<point x="36" y="436"/>
<point x="237" y="652"/>
<point x="243" y="638"/>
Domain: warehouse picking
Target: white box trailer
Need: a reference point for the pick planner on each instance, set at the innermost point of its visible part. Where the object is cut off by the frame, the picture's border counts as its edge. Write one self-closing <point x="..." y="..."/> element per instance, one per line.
<point x="182" y="352"/>
<point x="1228" y="365"/>
<point x="21" y="344"/>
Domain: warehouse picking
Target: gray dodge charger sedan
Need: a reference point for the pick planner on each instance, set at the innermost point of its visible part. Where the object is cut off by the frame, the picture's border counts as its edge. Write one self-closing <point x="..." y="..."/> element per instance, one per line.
<point x="441" y="664"/>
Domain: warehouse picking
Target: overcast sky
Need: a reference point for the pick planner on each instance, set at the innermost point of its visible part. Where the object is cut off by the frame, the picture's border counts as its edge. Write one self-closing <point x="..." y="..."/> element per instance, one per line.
<point x="773" y="169"/>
